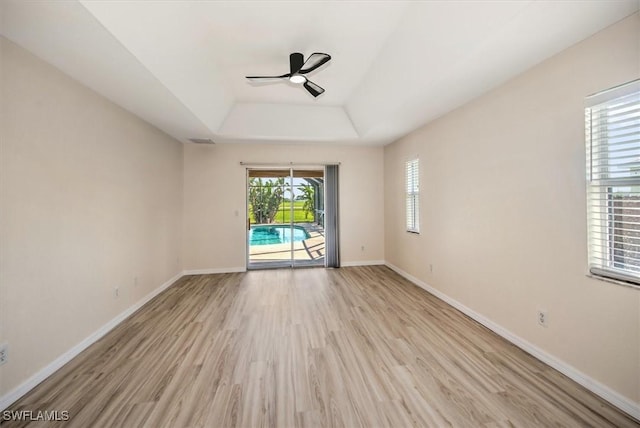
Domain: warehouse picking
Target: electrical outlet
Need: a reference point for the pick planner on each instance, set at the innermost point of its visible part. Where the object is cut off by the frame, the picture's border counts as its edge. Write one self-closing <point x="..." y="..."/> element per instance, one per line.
<point x="543" y="318"/>
<point x="116" y="293"/>
<point x="4" y="353"/>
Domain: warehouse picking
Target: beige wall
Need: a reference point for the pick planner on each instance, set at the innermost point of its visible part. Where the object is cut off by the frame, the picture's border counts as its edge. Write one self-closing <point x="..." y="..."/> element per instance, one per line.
<point x="215" y="238"/>
<point x="503" y="210"/>
<point x="91" y="197"/>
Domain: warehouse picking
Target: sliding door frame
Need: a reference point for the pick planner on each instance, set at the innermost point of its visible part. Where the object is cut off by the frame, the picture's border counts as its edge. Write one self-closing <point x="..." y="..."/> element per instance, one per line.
<point x="290" y="167"/>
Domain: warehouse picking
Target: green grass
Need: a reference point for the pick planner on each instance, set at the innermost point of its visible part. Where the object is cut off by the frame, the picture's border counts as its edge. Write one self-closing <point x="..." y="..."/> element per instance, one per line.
<point x="284" y="213"/>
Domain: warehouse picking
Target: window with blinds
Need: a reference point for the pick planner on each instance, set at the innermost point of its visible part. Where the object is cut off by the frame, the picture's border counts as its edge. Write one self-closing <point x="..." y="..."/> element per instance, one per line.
<point x="612" y="120"/>
<point x="413" y="196"/>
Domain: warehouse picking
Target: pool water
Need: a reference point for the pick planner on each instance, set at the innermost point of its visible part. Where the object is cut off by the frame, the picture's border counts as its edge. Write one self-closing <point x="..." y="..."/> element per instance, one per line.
<point x="268" y="235"/>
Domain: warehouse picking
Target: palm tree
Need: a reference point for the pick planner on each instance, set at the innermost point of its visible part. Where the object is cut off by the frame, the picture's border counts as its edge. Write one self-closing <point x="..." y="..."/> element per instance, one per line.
<point x="308" y="196"/>
<point x="265" y="198"/>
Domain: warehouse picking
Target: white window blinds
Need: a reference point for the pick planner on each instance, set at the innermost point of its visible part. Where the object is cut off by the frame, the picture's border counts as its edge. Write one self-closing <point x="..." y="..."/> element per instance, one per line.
<point x="612" y="120"/>
<point x="413" y="196"/>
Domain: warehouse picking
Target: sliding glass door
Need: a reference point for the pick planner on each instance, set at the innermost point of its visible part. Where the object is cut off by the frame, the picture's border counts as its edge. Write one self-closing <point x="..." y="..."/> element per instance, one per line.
<point x="285" y="217"/>
<point x="308" y="206"/>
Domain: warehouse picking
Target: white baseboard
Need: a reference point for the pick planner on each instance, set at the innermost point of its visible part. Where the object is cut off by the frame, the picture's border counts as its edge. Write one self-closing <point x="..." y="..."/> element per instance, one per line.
<point x="363" y="263"/>
<point x="243" y="269"/>
<point x="215" y="270"/>
<point x="623" y="403"/>
<point x="12" y="396"/>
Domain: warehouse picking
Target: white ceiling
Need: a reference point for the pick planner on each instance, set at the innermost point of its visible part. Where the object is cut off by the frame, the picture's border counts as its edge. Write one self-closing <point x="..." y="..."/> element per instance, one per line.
<point x="395" y="65"/>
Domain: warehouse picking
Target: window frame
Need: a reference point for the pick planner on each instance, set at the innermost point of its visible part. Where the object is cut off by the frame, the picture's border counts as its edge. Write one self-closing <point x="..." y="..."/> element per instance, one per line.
<point x="612" y="188"/>
<point x="412" y="195"/>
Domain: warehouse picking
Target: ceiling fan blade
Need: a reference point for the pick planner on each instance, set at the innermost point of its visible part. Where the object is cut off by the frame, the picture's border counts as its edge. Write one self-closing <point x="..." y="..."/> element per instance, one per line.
<point x="313" y="89"/>
<point x="314" y="61"/>
<point x="296" y="61"/>
<point x="266" y="78"/>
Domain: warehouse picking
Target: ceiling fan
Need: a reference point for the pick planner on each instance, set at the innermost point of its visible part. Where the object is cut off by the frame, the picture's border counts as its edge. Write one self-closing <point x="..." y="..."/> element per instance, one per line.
<point x="298" y="68"/>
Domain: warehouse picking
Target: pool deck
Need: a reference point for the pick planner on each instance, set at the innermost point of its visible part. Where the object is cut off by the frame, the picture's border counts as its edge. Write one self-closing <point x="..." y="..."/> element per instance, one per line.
<point x="309" y="250"/>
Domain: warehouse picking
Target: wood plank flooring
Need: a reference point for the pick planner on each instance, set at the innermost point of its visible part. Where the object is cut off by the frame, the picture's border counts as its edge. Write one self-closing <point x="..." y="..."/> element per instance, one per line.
<point x="346" y="347"/>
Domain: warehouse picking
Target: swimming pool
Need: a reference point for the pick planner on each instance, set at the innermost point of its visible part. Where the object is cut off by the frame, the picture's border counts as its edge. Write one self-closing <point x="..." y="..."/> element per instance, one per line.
<point x="276" y="234"/>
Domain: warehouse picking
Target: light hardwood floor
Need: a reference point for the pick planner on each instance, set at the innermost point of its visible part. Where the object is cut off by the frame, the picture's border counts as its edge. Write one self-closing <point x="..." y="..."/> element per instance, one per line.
<point x="314" y="347"/>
